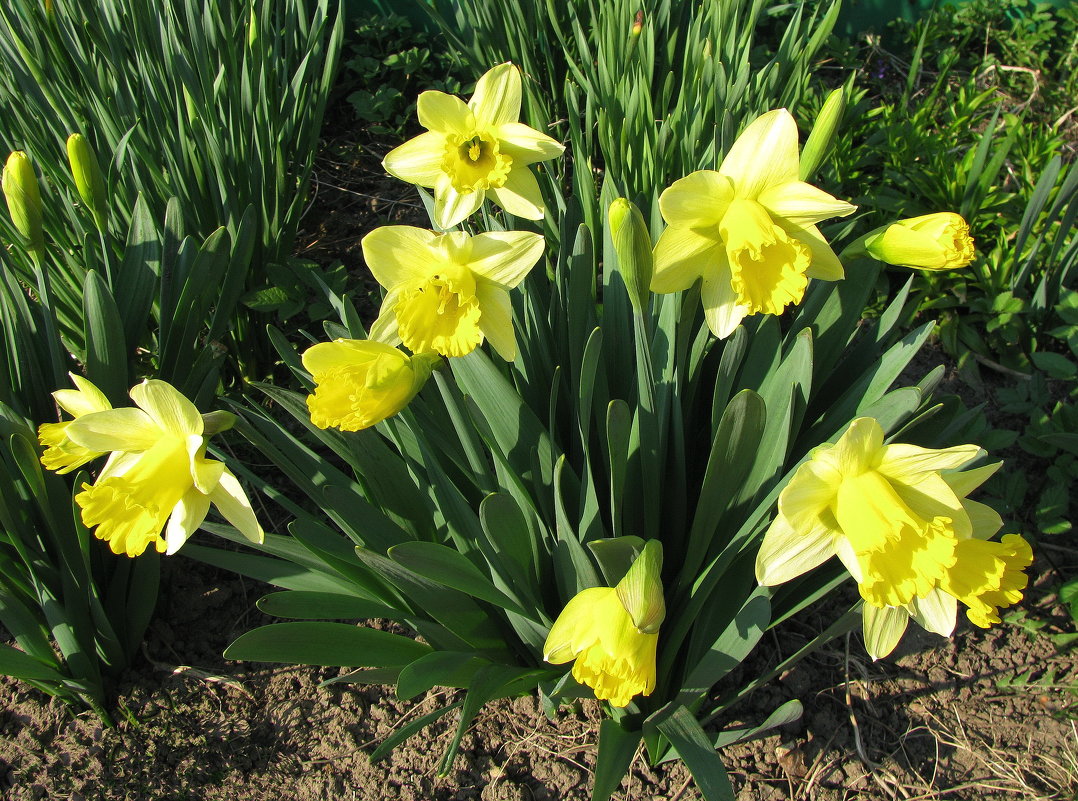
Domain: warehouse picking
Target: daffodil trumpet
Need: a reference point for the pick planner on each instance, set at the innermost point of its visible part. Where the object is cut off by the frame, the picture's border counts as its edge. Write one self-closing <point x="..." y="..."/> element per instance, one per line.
<point x="898" y="518"/>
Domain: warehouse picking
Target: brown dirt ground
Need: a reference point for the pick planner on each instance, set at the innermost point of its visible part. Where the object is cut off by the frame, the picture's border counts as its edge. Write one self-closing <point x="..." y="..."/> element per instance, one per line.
<point x="988" y="715"/>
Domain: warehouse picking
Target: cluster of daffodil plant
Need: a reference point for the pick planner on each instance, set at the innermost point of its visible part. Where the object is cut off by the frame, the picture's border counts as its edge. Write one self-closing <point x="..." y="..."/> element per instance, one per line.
<point x="636" y="462"/>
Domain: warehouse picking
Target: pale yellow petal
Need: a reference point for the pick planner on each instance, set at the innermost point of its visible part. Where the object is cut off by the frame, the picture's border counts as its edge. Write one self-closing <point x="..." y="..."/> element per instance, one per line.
<point x="966" y="481"/>
<point x="684" y="254"/>
<point x="496" y="320"/>
<point x="125" y="429"/>
<point x="721" y="310"/>
<point x="936" y="612"/>
<point x="232" y="502"/>
<point x="451" y="206"/>
<point x="170" y="410"/>
<point x="931" y="497"/>
<point x="802" y="204"/>
<point x="810" y="492"/>
<point x="520" y="194"/>
<point x="505" y="257"/>
<point x="527" y="145"/>
<point x="825" y="265"/>
<point x="84" y="400"/>
<point x="386" y="329"/>
<point x="909" y="463"/>
<point x="883" y="628"/>
<point x="577" y="626"/>
<point x="846" y="554"/>
<point x="858" y="448"/>
<point x="343" y="353"/>
<point x="786" y="553"/>
<point x="698" y="200"/>
<point x="764" y="155"/>
<point x="496" y="100"/>
<point x="445" y="114"/>
<point x="984" y="520"/>
<point x="397" y="254"/>
<point x="204" y="472"/>
<point x="186" y="517"/>
<point x="419" y="160"/>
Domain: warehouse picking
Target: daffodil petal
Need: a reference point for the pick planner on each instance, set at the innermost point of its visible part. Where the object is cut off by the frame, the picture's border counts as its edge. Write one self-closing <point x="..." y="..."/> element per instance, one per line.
<point x="341" y="353"/>
<point x="520" y="194"/>
<point x="931" y="497"/>
<point x="505" y="257"/>
<point x="577" y="626"/>
<point x="419" y="160"/>
<point x="124" y="429"/>
<point x="853" y="453"/>
<point x="721" y="310"/>
<point x="984" y="520"/>
<point x="451" y="206"/>
<point x="232" y="502"/>
<point x="496" y="99"/>
<point x="787" y="553"/>
<point x="802" y="204"/>
<point x="386" y="329"/>
<point x="84" y="400"/>
<point x="698" y="200"/>
<point x="966" y="481"/>
<point x="186" y="517"/>
<point x="764" y="155"/>
<point x="825" y="265"/>
<point x="397" y="254"/>
<point x="936" y="612"/>
<point x="204" y="472"/>
<point x="496" y="320"/>
<point x="527" y="145"/>
<point x="117" y="464"/>
<point x="909" y="463"/>
<point x="883" y="628"/>
<point x="810" y="492"/>
<point x="848" y="556"/>
<point x="170" y="410"/>
<point x="684" y="254"/>
<point x="445" y="114"/>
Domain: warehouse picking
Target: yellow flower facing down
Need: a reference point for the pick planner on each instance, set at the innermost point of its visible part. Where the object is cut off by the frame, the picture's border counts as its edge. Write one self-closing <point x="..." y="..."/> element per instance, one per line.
<point x="157" y="485"/>
<point x="448" y="292"/>
<point x="932" y="242"/>
<point x="61" y="454"/>
<point x="612" y="632"/>
<point x="748" y="230"/>
<point x="361" y="382"/>
<point x="475" y="149"/>
<point x="898" y="518"/>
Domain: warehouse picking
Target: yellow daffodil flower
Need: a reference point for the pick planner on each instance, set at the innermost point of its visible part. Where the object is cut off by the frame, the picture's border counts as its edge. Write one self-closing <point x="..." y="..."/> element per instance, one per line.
<point x="898" y="518"/>
<point x="474" y="149"/>
<point x="932" y="242"/>
<point x="361" y="382"/>
<point x="612" y="632"/>
<point x="157" y="477"/>
<point x="447" y="292"/>
<point x="61" y="454"/>
<point x="748" y="230"/>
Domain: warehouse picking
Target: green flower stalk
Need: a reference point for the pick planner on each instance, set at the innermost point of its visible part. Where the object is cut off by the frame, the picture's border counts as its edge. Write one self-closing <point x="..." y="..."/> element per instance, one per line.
<point x="89" y="180"/>
<point x="632" y="243"/>
<point x="23" y="197"/>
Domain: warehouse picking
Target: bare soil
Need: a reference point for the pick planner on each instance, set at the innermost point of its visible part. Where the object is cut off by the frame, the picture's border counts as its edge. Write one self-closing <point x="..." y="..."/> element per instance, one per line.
<point x="988" y="715"/>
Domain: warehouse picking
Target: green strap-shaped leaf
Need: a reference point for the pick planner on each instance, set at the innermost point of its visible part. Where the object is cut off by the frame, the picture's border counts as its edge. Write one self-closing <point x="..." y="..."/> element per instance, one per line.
<point x="450" y="568"/>
<point x="696" y="751"/>
<point x="730" y="648"/>
<point x="331" y="644"/>
<point x="308" y="605"/>
<point x="410" y="730"/>
<point x="14" y="662"/>
<point x="438" y="669"/>
<point x="617" y="747"/>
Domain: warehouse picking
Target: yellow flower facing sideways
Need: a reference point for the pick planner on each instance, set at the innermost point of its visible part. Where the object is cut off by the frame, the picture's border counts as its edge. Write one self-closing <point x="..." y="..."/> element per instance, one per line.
<point x="612" y="632"/>
<point x="360" y="382"/>
<point x="447" y="292"/>
<point x="157" y="485"/>
<point x="61" y="454"/>
<point x="470" y="150"/>
<point x="933" y="242"/>
<point x="898" y="518"/>
<point x="747" y="230"/>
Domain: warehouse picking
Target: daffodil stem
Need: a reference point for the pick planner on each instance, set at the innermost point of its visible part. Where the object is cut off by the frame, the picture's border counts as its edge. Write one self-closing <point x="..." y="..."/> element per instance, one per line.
<point x="44" y="290"/>
<point x="647" y="425"/>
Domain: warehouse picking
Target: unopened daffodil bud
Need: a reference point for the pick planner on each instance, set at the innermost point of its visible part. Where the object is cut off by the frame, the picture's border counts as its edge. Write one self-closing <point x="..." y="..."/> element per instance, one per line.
<point x="632" y="244"/>
<point x="361" y="382"/>
<point x="89" y="181"/>
<point x="932" y="242"/>
<point x="638" y="23"/>
<point x="823" y="133"/>
<point x="253" y="32"/>
<point x="612" y="632"/>
<point x="23" y="197"/>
